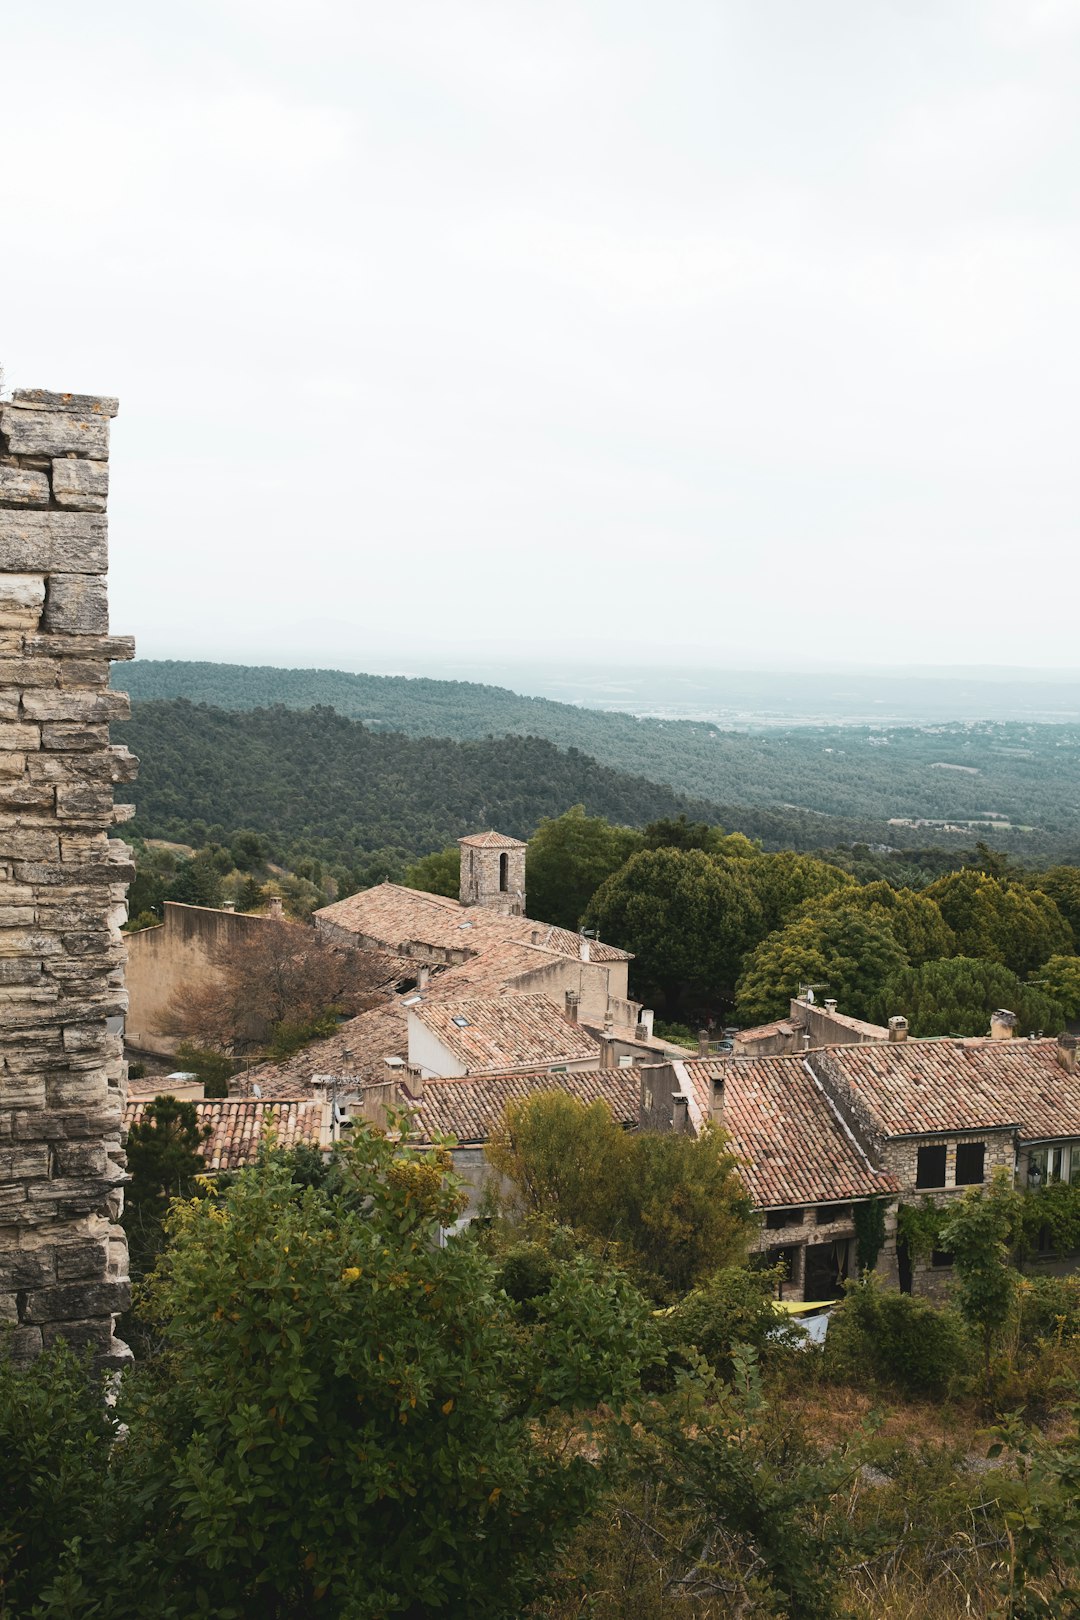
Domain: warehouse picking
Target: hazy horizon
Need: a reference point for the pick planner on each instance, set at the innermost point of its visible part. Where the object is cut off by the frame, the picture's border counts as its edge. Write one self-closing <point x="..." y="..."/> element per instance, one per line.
<point x="743" y="330"/>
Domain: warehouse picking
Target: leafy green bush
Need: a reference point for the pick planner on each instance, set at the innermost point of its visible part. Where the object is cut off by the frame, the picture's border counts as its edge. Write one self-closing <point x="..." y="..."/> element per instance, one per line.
<point x="736" y="1307"/>
<point x="895" y="1339"/>
<point x="1049" y="1309"/>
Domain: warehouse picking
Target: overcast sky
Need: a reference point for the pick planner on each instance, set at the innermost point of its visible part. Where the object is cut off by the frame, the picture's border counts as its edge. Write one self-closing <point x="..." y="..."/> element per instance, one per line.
<point x="730" y="332"/>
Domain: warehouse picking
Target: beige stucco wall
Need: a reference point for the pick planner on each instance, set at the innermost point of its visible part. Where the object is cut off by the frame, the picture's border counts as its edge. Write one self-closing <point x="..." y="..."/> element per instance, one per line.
<point x="183" y="951"/>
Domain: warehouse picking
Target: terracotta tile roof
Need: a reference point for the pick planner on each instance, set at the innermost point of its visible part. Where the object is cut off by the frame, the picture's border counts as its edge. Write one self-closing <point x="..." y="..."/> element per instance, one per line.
<point x="396" y="916"/>
<point x="915" y="1088"/>
<point x="492" y="1033"/>
<point x="492" y="840"/>
<point x="237" y="1126"/>
<point x="794" y="1147"/>
<point x="471" y="1109"/>
<point x="358" y="1048"/>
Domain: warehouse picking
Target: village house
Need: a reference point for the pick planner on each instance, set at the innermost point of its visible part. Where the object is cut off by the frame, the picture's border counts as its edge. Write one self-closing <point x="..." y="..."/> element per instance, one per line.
<point x="826" y="1131"/>
<point x="940" y="1115"/>
<point x="437" y="950"/>
<point x="485" y="1035"/>
<point x="807" y="1175"/>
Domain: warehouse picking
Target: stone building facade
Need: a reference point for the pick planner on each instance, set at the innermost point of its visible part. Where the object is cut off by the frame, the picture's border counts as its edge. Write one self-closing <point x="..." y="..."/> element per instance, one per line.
<point x="63" y="884"/>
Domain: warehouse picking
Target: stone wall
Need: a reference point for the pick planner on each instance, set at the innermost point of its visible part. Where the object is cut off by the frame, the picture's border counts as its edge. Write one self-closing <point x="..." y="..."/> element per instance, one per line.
<point x="63" y="883"/>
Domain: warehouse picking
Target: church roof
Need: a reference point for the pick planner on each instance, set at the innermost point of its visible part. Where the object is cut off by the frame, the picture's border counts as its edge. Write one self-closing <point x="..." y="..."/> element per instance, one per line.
<point x="491" y="840"/>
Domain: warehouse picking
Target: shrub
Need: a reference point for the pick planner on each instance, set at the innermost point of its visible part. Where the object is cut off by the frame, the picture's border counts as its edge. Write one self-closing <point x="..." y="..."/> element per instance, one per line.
<point x="896" y="1339"/>
<point x="1049" y="1309"/>
<point x="735" y="1307"/>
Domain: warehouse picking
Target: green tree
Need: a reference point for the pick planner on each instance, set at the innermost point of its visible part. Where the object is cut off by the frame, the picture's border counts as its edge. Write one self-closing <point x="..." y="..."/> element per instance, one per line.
<point x="980" y="1231"/>
<point x="843" y="948"/>
<point x="55" y="1440"/>
<point x="569" y="857"/>
<point x="672" y="1204"/>
<point x="1001" y="921"/>
<point x="437" y="873"/>
<point x="1059" y="978"/>
<point x="1062" y="884"/>
<point x="197" y="883"/>
<point x="785" y="881"/>
<point x="914" y="919"/>
<point x="688" y="918"/>
<point x="361" y="1428"/>
<point x="164" y="1157"/>
<point x="957" y="996"/>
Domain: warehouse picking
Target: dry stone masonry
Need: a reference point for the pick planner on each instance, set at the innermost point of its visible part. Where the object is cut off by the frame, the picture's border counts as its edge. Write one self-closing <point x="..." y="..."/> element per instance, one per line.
<point x="63" y="884"/>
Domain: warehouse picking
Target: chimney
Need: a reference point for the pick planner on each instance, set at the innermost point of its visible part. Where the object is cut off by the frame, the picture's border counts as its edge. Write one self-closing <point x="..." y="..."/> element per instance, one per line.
<point x="702" y="1043"/>
<point x="423" y="974"/>
<point x="536" y="936"/>
<point x="609" y="1024"/>
<point x="274" y="908"/>
<point x="680" y="1114"/>
<point x="1002" y="1025"/>
<point x="898" y="1028"/>
<point x="716" y="1100"/>
<point x="586" y="949"/>
<point x="830" y="1006"/>
<point x="1066" y="1052"/>
<point x="572" y="999"/>
<point x="645" y="1024"/>
<point x="228" y="905"/>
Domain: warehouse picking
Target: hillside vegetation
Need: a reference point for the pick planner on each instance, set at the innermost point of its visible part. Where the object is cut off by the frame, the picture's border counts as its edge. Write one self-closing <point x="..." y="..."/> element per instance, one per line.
<point x="317" y="784"/>
<point x="1020" y="782"/>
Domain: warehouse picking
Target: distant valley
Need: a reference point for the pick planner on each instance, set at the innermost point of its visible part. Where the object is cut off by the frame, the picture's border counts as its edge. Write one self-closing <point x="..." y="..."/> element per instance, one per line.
<point x="1015" y="784"/>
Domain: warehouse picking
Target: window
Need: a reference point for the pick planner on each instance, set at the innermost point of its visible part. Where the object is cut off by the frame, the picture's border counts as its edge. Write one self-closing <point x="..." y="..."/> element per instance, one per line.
<point x="941" y="1257"/>
<point x="462" y="1023"/>
<point x="825" y="1214"/>
<point x="783" y="1217"/>
<point x="930" y="1170"/>
<point x="970" y="1163"/>
<point x="504" y="873"/>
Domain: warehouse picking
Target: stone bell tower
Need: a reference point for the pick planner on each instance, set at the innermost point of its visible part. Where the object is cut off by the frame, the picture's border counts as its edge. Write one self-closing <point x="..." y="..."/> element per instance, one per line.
<point x="493" y="872"/>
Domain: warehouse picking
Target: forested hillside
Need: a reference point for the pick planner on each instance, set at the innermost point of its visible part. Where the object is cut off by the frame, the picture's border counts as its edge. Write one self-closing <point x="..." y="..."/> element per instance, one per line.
<point x="320" y="785"/>
<point x="1019" y="783"/>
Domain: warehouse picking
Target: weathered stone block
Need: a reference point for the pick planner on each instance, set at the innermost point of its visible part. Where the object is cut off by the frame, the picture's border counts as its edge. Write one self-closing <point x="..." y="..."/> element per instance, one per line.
<point x="21" y="1344"/>
<point x="76" y="604"/>
<point x="44" y="399"/>
<point x="29" y="671"/>
<point x="84" y="672"/>
<point x="18" y="736"/>
<point x="22" y="597"/>
<point x="82" y="801"/>
<point x="83" y="706"/>
<point x="24" y="1268"/>
<point x="75" y="1262"/>
<point x="83" y="484"/>
<point x="85" y="1090"/>
<point x="24" y="1164"/>
<point x="109" y="647"/>
<point x="54" y="433"/>
<point x="21" y="1091"/>
<point x="69" y="737"/>
<point x="68" y="542"/>
<point x="26" y="796"/>
<point x="81" y="1158"/>
<point x="20" y="486"/>
<point x="28" y="843"/>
